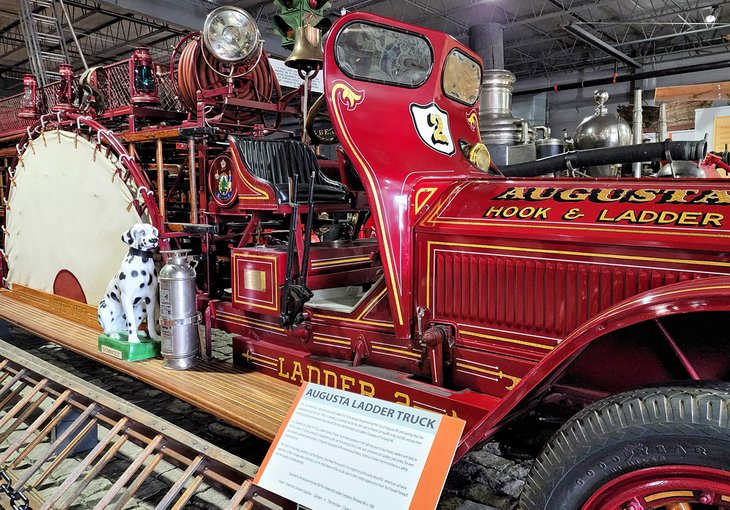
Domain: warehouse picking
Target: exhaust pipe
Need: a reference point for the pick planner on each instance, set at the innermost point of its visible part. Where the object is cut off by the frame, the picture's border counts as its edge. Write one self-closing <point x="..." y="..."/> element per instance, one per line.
<point x="667" y="150"/>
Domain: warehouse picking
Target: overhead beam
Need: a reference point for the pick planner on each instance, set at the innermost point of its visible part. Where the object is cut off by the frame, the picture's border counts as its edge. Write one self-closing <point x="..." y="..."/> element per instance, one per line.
<point x="594" y="41"/>
<point x="184" y="14"/>
<point x="82" y="4"/>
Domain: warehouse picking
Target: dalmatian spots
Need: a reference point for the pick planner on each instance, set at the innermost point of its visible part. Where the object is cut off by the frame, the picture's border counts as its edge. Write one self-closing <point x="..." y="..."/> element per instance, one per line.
<point x="128" y="300"/>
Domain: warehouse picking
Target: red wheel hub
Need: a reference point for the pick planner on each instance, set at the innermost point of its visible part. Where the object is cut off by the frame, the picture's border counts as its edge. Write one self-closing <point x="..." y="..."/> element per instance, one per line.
<point x="671" y="487"/>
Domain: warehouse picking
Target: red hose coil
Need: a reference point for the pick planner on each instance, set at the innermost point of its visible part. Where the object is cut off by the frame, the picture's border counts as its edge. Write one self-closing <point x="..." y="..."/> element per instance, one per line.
<point x="194" y="74"/>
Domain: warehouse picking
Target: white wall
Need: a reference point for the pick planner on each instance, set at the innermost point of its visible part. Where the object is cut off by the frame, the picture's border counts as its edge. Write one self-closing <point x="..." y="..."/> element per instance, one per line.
<point x="705" y="123"/>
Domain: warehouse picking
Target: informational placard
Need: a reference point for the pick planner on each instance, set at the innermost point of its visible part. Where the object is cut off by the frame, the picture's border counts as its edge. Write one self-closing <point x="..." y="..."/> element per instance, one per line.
<point x="341" y="451"/>
<point x="722" y="133"/>
<point x="289" y="77"/>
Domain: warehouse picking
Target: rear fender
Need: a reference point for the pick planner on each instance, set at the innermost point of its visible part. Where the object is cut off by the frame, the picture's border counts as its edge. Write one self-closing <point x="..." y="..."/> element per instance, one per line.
<point x="705" y="295"/>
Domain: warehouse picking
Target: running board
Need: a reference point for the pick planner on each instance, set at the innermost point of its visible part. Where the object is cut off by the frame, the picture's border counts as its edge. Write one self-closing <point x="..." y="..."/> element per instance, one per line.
<point x="249" y="400"/>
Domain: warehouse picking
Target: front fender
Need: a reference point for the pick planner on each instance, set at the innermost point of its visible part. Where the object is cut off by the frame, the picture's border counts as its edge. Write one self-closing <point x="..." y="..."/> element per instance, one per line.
<point x="704" y="295"/>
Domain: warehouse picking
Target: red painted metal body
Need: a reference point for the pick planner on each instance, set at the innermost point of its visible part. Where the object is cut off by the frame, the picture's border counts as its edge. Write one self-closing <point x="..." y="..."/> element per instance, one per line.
<point x="477" y="296"/>
<point x="401" y="174"/>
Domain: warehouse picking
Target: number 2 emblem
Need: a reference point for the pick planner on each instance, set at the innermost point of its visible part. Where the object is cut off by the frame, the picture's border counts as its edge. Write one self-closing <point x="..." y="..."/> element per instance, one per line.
<point x="432" y="126"/>
<point x="437" y="124"/>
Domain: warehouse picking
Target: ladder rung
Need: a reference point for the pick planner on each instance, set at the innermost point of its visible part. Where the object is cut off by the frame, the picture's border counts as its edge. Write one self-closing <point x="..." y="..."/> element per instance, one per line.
<point x="52" y="57"/>
<point x="40" y="3"/>
<point x="43" y="17"/>
<point x="49" y="37"/>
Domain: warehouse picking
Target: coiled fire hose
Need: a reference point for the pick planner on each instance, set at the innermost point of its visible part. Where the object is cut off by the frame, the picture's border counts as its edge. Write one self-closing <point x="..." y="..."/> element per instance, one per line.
<point x="194" y="73"/>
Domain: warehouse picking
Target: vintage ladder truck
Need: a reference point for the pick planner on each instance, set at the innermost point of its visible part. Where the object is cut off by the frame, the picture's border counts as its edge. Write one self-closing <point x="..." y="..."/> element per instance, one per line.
<point x="403" y="265"/>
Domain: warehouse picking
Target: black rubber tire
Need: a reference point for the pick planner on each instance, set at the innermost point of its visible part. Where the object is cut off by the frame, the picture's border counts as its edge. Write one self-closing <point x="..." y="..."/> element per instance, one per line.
<point x="633" y="430"/>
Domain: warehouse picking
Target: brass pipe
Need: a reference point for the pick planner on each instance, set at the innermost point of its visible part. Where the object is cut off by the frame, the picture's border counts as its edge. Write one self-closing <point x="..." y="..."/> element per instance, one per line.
<point x="192" y="174"/>
<point x="160" y="180"/>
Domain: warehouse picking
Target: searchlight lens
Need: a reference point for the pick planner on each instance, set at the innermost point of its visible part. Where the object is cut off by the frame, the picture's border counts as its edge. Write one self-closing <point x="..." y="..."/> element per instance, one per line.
<point x="231" y="35"/>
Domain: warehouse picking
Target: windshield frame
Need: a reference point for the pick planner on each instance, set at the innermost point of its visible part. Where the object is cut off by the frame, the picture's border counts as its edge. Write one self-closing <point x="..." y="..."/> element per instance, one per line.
<point x="391" y="29"/>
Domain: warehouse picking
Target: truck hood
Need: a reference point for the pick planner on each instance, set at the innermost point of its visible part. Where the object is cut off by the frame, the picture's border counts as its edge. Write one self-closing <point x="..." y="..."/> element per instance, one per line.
<point x="689" y="214"/>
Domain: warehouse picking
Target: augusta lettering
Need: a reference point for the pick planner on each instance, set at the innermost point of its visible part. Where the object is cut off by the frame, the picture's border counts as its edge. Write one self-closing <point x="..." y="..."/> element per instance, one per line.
<point x="620" y="195"/>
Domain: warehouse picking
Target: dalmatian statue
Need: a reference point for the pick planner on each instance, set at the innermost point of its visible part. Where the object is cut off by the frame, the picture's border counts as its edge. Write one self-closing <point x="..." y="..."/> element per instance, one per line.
<point x="132" y="293"/>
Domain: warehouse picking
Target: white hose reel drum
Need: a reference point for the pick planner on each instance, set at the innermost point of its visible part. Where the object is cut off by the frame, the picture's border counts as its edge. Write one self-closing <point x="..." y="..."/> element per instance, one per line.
<point x="66" y="213"/>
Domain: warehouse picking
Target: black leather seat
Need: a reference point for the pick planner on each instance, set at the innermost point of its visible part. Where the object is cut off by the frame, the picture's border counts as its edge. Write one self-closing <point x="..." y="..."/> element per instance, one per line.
<point x="275" y="161"/>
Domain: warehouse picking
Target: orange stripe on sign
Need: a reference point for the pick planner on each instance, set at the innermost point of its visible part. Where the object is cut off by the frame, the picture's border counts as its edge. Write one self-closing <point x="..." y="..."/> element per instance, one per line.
<point x="435" y="470"/>
<point x="282" y="428"/>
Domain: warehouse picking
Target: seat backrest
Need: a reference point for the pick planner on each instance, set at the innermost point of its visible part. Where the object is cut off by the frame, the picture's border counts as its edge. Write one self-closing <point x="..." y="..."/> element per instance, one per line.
<point x="276" y="161"/>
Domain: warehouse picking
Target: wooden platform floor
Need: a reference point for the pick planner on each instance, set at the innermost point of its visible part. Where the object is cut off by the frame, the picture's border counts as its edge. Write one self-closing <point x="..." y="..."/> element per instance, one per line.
<point x="251" y="401"/>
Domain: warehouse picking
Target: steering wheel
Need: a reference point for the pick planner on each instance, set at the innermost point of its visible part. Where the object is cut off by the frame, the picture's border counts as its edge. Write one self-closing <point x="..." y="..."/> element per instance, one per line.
<point x="319" y="124"/>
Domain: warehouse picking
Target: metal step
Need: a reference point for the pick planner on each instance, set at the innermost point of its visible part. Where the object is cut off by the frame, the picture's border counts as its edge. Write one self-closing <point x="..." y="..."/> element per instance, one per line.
<point x="60" y="431"/>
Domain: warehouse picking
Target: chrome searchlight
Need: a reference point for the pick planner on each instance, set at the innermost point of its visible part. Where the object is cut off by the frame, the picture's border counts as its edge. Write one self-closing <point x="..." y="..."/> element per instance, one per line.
<point x="231" y="34"/>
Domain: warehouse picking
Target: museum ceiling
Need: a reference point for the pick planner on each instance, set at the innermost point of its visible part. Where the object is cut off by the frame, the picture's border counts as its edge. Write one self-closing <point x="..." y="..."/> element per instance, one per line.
<point x="541" y="37"/>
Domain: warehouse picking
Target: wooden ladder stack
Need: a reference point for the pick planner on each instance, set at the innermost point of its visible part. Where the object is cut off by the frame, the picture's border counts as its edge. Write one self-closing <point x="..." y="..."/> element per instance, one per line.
<point x="38" y="399"/>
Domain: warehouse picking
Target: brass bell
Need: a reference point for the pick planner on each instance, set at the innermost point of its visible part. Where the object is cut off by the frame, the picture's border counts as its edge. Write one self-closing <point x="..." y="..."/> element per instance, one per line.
<point x="307" y="53"/>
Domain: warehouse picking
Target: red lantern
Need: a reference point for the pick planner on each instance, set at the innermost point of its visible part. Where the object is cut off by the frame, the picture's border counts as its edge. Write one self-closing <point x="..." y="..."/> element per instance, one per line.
<point x="65" y="97"/>
<point x="142" y="82"/>
<point x="29" y="102"/>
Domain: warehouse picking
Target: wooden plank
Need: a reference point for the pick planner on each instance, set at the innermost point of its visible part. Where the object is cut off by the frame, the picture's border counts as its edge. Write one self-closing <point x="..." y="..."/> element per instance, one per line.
<point x="701" y="91"/>
<point x="149" y="134"/>
<point x="252" y="401"/>
<point x="70" y="309"/>
<point x="15" y="136"/>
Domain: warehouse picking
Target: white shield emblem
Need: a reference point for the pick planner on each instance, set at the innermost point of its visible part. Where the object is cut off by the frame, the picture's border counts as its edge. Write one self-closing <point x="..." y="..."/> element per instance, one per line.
<point x="432" y="125"/>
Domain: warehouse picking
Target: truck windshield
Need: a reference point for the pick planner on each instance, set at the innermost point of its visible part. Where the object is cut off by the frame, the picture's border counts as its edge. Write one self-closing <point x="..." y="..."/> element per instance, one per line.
<point x="370" y="52"/>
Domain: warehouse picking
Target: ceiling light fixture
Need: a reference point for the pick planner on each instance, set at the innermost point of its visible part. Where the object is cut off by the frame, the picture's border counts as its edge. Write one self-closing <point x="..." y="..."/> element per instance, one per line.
<point x="712" y="16"/>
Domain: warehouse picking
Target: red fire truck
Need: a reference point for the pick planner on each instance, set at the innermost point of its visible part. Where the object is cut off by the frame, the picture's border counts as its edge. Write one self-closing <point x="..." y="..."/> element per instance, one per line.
<point x="488" y="294"/>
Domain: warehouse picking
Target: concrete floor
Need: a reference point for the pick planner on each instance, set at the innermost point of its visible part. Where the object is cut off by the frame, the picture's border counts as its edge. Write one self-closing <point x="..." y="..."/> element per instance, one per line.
<point x="485" y="479"/>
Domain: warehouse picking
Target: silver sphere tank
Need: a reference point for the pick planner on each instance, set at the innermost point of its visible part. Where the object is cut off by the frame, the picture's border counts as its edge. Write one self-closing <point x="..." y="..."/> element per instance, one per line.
<point x="602" y="130"/>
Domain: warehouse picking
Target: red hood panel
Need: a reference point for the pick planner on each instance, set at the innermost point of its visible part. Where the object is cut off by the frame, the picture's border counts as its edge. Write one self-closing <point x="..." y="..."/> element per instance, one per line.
<point x="691" y="214"/>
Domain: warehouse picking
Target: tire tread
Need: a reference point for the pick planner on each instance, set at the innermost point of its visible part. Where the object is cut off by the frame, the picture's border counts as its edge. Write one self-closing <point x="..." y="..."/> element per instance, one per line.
<point x="661" y="410"/>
